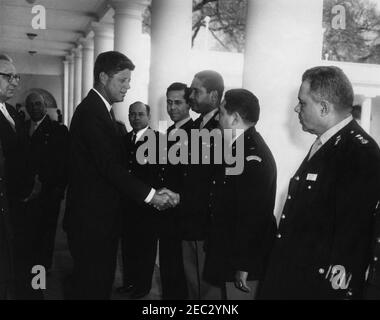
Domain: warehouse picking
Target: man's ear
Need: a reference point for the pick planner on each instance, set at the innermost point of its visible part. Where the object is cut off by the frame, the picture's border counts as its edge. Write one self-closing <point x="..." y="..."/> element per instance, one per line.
<point x="325" y="108"/>
<point x="214" y="97"/>
<point x="103" y="77"/>
<point x="236" y="118"/>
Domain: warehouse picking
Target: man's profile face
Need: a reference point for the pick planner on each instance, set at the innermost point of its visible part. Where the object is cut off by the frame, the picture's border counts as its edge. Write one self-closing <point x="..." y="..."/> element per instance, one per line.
<point x="200" y="99"/>
<point x="309" y="111"/>
<point x="35" y="105"/>
<point x="116" y="86"/>
<point x="177" y="107"/>
<point x="7" y="88"/>
<point x="138" y="116"/>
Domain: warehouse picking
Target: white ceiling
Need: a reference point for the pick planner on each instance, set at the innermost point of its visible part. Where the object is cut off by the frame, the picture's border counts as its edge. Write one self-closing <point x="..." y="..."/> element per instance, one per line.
<point x="66" y="22"/>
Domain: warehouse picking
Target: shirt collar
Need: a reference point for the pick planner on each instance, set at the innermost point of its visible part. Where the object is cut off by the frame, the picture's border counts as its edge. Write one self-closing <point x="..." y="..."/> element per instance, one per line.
<point x="181" y="122"/>
<point x="208" y="116"/>
<point x="104" y="100"/>
<point x="333" y="130"/>
<point x="37" y="123"/>
<point x="140" y="133"/>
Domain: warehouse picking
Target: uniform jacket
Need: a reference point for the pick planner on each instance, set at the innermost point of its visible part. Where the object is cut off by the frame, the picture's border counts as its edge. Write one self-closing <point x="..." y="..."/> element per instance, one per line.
<point x="173" y="177"/>
<point x="48" y="155"/>
<point x="242" y="222"/>
<point x="326" y="222"/>
<point x="194" y="217"/>
<point x="98" y="178"/>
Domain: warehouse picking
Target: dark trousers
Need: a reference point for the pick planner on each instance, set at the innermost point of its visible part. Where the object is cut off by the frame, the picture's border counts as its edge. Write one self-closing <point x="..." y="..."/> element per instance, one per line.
<point x="26" y="249"/>
<point x="139" y="249"/>
<point x="50" y="206"/>
<point x="94" y="266"/>
<point x="172" y="271"/>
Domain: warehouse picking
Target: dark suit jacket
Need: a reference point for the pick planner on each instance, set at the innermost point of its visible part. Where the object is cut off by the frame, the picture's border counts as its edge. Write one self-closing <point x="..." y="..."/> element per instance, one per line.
<point x="98" y="178"/>
<point x="327" y="222"/>
<point x="194" y="217"/>
<point x="242" y="222"/>
<point x="48" y="155"/>
<point x="6" y="235"/>
<point x="14" y="142"/>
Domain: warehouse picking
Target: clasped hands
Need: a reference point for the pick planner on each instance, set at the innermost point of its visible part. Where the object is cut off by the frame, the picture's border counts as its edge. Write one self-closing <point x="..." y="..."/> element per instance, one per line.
<point x="164" y="199"/>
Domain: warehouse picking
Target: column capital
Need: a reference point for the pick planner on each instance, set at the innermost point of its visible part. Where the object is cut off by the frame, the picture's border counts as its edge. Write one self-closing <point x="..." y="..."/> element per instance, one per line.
<point x="130" y="8"/>
<point x="103" y="29"/>
<point x="87" y="42"/>
<point x="69" y="57"/>
<point x="77" y="51"/>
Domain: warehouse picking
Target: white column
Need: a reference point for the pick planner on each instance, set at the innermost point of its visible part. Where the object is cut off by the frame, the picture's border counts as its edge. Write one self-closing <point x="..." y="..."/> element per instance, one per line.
<point x="283" y="39"/>
<point x="87" y="64"/>
<point x="103" y="37"/>
<point x="78" y="75"/>
<point x="129" y="41"/>
<point x="171" y="24"/>
<point x="70" y="112"/>
<point x="65" y="108"/>
<point x="365" y="120"/>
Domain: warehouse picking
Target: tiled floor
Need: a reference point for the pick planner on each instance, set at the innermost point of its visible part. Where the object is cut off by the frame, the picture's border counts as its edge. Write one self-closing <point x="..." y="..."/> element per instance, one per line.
<point x="62" y="266"/>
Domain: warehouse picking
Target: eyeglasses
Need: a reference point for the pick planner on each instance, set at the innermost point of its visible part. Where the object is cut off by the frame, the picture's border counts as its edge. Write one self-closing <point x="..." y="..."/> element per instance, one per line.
<point x="11" y="76"/>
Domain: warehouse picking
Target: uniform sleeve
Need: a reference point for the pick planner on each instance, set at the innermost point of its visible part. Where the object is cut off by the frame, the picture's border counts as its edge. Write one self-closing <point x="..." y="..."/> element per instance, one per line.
<point x="106" y="160"/>
<point x="256" y="194"/>
<point x="356" y="198"/>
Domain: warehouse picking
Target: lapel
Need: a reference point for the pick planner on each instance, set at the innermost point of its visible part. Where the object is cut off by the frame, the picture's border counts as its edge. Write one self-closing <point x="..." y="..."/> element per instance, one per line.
<point x="97" y="103"/>
<point x="6" y="123"/>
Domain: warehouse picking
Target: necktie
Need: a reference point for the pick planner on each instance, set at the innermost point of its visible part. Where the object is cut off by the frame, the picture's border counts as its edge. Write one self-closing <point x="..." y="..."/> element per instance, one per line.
<point x="33" y="127"/>
<point x="134" y="135"/>
<point x="7" y="116"/>
<point x="201" y="124"/>
<point x="315" y="147"/>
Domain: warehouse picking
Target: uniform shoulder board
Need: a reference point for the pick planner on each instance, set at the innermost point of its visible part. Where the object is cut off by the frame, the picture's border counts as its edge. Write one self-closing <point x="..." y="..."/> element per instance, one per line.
<point x="253" y="158"/>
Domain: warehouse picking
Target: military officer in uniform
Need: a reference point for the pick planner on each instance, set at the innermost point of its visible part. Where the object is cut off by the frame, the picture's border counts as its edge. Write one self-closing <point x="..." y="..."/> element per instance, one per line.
<point x="170" y="243"/>
<point x="139" y="233"/>
<point x="372" y="291"/>
<point x="241" y="205"/>
<point x="322" y="246"/>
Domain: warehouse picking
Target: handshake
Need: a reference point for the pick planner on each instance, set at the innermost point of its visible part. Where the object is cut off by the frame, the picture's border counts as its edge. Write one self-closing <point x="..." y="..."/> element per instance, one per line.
<point x="164" y="199"/>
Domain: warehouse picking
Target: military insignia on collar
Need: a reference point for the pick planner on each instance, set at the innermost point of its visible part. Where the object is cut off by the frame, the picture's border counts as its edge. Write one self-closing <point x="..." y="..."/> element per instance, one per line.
<point x="256" y="158"/>
<point x="361" y="139"/>
<point x="338" y="138"/>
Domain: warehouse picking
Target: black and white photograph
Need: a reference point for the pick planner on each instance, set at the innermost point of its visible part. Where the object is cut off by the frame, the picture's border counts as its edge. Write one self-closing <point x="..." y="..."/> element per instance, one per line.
<point x="190" y="151"/>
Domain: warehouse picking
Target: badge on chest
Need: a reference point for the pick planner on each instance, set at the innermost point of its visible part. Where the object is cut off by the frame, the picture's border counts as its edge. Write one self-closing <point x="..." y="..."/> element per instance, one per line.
<point x="311" y="177"/>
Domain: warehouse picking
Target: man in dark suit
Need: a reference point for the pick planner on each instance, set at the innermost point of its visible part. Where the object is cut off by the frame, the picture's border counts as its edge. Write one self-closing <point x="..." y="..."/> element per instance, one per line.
<point x="322" y="247"/>
<point x="48" y="153"/>
<point x="99" y="181"/>
<point x="17" y="181"/>
<point x="139" y="235"/>
<point x="241" y="205"/>
<point x="172" y="274"/>
<point x="6" y="265"/>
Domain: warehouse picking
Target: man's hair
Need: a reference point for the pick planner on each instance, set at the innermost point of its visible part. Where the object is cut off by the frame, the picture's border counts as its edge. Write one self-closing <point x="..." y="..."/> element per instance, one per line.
<point x="331" y="84"/>
<point x="212" y="80"/>
<point x="147" y="107"/>
<point x="5" y="57"/>
<point x="178" y="86"/>
<point x="243" y="102"/>
<point x="111" y="62"/>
